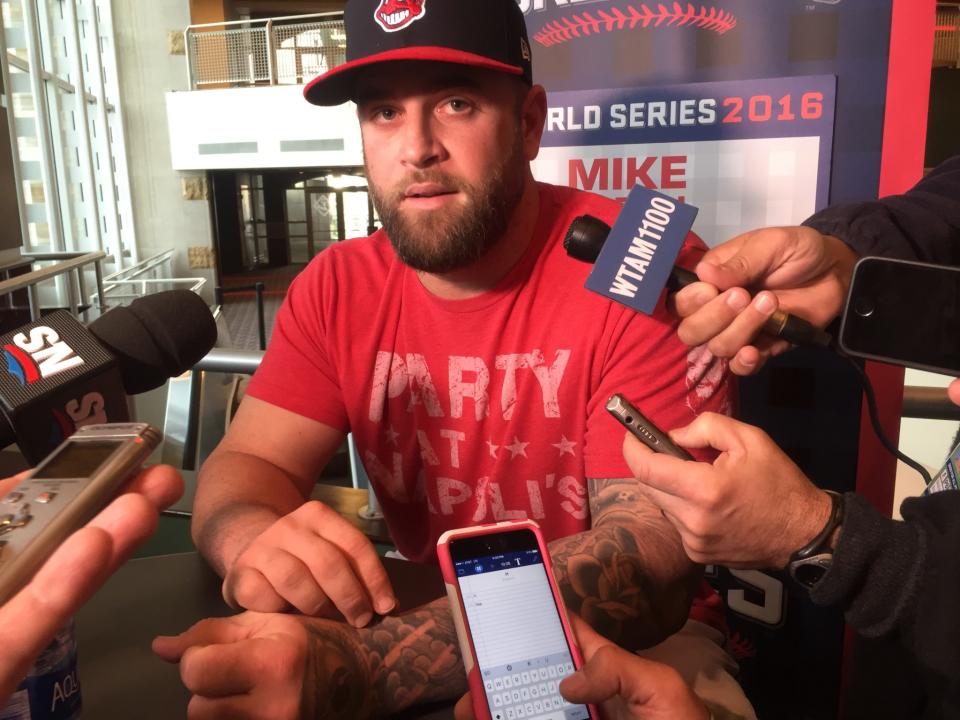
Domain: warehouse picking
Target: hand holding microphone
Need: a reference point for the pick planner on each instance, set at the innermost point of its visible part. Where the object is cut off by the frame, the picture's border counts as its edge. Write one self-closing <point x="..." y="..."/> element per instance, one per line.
<point x="59" y="375"/>
<point x="726" y="325"/>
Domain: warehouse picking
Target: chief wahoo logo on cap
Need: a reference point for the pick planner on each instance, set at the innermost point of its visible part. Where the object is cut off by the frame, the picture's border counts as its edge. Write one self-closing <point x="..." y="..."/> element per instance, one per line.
<point x="393" y="15"/>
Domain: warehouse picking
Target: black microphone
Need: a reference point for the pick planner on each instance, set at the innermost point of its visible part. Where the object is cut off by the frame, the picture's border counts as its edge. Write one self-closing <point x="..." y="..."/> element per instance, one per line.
<point x="58" y="375"/>
<point x="585" y="239"/>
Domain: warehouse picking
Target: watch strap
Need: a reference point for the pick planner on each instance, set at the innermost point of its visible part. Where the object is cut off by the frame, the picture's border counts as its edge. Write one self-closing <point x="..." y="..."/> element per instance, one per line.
<point x="821" y="542"/>
<point x="810" y="563"/>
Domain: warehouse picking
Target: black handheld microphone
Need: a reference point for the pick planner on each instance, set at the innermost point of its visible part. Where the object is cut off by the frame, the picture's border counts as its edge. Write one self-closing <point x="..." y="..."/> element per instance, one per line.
<point x="585" y="239"/>
<point x="58" y="375"/>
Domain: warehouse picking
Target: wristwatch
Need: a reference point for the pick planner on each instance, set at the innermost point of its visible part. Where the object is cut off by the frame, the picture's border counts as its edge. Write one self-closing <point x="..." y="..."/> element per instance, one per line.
<point x="811" y="562"/>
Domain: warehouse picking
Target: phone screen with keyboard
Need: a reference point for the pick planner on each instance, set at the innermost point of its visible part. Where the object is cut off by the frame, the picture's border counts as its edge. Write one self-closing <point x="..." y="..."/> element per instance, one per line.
<point x="522" y="651"/>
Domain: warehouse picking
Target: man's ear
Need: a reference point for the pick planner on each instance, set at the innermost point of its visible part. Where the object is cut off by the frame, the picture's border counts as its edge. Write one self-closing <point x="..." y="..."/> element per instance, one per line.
<point x="533" y="116"/>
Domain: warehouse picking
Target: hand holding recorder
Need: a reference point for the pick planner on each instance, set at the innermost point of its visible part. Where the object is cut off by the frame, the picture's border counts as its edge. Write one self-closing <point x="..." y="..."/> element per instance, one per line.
<point x="721" y="510"/>
<point x="68" y="577"/>
<point x="751" y="508"/>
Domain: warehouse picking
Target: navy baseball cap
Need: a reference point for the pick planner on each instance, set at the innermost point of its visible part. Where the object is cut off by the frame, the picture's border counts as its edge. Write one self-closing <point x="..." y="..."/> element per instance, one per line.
<point x="481" y="33"/>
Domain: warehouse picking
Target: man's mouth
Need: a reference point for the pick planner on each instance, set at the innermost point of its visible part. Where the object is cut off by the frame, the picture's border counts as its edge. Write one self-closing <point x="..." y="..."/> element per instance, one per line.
<point x="426" y="191"/>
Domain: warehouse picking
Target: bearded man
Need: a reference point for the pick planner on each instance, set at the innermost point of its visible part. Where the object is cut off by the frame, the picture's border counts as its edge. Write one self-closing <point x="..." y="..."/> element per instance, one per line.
<point x="458" y="346"/>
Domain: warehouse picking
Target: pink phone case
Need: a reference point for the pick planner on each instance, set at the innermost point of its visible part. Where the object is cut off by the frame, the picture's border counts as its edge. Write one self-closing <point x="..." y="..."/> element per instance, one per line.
<point x="478" y="695"/>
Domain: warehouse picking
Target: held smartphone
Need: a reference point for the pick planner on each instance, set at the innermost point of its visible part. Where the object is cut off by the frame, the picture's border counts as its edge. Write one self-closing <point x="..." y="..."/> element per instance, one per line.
<point x="515" y="638"/>
<point x="903" y="313"/>
<point x="64" y="492"/>
<point x="643" y="429"/>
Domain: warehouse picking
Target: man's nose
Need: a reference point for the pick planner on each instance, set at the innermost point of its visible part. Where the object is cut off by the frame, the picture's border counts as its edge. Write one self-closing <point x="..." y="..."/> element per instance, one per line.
<point x="421" y="145"/>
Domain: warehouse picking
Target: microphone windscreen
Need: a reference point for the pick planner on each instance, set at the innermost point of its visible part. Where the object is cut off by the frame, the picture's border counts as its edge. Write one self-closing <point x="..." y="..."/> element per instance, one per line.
<point x="157" y="337"/>
<point x="584" y="240"/>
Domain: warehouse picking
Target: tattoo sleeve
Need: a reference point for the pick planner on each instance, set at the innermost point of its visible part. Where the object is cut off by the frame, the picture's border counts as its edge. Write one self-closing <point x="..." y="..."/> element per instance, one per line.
<point x="383" y="668"/>
<point x="627" y="576"/>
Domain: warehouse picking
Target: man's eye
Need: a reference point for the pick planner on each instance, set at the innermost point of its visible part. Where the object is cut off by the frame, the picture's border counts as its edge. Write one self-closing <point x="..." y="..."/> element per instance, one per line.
<point x="458" y="105"/>
<point x="377" y="113"/>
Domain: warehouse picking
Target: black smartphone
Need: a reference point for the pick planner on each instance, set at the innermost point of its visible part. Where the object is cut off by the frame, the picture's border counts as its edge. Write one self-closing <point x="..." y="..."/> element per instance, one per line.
<point x="903" y="313"/>
<point x="643" y="428"/>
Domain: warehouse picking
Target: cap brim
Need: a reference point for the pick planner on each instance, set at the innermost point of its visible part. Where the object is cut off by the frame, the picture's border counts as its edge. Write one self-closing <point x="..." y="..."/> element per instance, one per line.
<point x="338" y="85"/>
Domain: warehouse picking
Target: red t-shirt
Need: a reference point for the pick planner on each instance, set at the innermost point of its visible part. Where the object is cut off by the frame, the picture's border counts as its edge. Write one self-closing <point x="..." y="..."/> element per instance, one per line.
<point x="485" y="409"/>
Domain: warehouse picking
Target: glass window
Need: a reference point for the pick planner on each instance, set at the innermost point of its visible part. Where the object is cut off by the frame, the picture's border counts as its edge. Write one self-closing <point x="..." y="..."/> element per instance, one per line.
<point x="70" y="157"/>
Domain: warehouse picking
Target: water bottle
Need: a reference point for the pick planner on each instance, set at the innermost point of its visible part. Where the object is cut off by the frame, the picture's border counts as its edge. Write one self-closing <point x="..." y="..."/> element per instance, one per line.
<point x="51" y="689"/>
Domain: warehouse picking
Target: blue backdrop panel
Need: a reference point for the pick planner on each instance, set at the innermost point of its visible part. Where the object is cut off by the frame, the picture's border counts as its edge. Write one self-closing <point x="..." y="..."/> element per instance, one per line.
<point x="608" y="51"/>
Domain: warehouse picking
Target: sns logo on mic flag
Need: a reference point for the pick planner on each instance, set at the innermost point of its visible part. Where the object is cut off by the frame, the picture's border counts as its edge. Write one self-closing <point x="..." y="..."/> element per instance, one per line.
<point x="636" y="259"/>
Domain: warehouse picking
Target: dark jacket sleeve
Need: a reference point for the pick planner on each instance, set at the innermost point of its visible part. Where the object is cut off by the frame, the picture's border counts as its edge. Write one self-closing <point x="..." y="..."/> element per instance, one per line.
<point x="901" y="577"/>
<point x="922" y="224"/>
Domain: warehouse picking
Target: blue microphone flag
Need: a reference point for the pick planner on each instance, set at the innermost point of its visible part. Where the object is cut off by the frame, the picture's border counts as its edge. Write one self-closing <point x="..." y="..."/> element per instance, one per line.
<point x="638" y="255"/>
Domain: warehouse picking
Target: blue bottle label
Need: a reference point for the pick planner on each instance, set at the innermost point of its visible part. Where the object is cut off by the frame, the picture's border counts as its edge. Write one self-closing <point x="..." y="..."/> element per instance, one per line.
<point x="51" y="691"/>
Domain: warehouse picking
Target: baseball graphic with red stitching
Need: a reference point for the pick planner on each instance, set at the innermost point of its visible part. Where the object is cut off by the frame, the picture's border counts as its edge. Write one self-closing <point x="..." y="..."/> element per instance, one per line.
<point x="631" y="16"/>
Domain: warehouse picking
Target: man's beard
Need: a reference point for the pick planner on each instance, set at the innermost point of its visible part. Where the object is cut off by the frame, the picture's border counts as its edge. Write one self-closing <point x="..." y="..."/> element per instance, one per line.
<point x="451" y="238"/>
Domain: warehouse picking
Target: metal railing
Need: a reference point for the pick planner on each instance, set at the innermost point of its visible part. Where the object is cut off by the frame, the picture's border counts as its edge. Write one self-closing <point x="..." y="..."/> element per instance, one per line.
<point x="70" y="264"/>
<point x="220" y="293"/>
<point x="153" y="274"/>
<point x="221" y="360"/>
<point x="946" y="38"/>
<point x="246" y="362"/>
<point x="279" y="51"/>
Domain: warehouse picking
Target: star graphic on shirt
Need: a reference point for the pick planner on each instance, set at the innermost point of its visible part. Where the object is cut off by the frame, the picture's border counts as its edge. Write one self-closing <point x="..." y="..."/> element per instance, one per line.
<point x="493" y="449"/>
<point x="392" y="435"/>
<point x="518" y="448"/>
<point x="565" y="446"/>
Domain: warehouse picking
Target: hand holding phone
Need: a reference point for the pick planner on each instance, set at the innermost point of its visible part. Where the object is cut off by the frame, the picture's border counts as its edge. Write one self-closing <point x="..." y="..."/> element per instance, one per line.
<point x="64" y="492"/>
<point x="513" y="630"/>
<point x="903" y="313"/>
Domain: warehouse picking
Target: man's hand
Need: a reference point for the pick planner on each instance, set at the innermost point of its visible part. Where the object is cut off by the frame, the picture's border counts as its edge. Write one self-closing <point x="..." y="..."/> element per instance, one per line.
<point x="953" y="392"/>
<point x="627" y="687"/>
<point x="317" y="562"/>
<point x="751" y="508"/>
<point x="622" y="685"/>
<point x="251" y="665"/>
<point x="30" y="619"/>
<point x="800" y="271"/>
<point x="272" y="666"/>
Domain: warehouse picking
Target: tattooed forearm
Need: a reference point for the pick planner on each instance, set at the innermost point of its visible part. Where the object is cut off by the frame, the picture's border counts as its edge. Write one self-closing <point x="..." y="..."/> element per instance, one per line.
<point x="336" y="677"/>
<point x="628" y="575"/>
<point x="390" y="665"/>
<point x="415" y="658"/>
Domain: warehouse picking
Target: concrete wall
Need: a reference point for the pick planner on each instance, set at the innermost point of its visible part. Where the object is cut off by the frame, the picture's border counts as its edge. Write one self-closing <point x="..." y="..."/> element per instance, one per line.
<point x="149" y="66"/>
